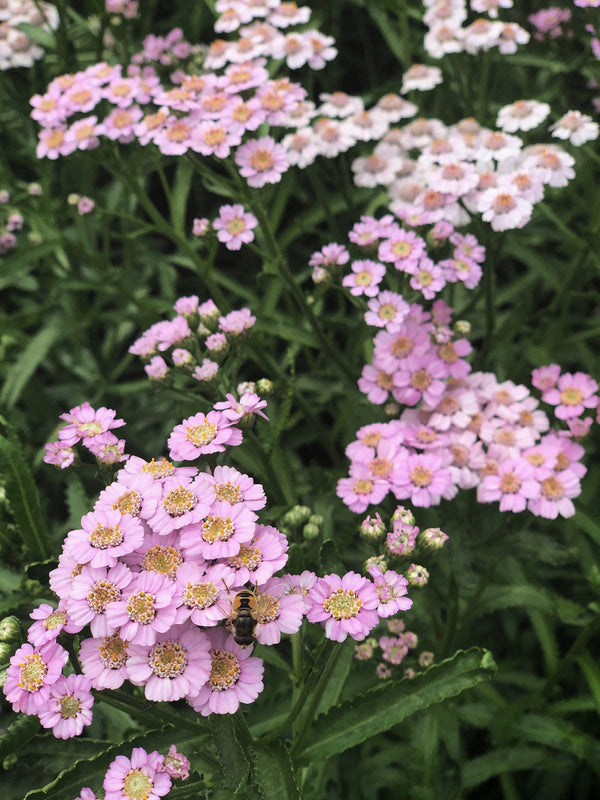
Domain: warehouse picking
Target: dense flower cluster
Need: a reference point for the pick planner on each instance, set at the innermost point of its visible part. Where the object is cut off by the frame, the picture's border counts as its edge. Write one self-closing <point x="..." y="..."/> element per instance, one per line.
<point x="448" y="31"/>
<point x="153" y="571"/>
<point x="395" y="646"/>
<point x="142" y="774"/>
<point x="91" y="428"/>
<point x="16" y="48"/>
<point x="196" y="341"/>
<point x="464" y="430"/>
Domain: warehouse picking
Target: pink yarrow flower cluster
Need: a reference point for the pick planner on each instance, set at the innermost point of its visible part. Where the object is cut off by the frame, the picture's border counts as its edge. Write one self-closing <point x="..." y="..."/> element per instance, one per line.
<point x="91" y="428"/>
<point x="463" y="430"/>
<point x="196" y="341"/>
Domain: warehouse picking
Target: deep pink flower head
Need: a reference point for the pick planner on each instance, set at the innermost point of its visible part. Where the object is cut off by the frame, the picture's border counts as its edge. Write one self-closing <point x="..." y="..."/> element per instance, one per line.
<point x="69" y="708"/>
<point x="344" y="606"/>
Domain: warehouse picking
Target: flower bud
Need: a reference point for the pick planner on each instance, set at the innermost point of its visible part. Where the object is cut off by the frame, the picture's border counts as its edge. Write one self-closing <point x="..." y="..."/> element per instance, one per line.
<point x="296" y="516"/>
<point x="417" y="575"/>
<point x="462" y="327"/>
<point x="10" y="629"/>
<point x="425" y="659"/>
<point x="310" y="531"/>
<point x="433" y="538"/>
<point x="372" y="529"/>
<point x="375" y="561"/>
<point x="264" y="386"/>
<point x="405" y="515"/>
<point x="6" y="651"/>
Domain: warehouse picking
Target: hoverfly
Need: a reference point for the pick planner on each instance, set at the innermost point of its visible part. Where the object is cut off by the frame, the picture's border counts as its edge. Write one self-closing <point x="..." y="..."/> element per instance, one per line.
<point x="248" y="608"/>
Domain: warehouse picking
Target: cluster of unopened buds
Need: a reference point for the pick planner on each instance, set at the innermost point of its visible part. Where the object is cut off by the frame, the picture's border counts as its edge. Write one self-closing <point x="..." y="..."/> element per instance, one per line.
<point x="156" y="573"/>
<point x="196" y="341"/>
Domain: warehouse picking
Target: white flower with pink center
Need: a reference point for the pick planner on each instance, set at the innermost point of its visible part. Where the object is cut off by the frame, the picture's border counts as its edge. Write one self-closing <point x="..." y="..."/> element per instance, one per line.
<point x="513" y="485"/>
<point x="422" y="477"/>
<point x="104" y="661"/>
<point x="177" y="665"/>
<point x="345" y="606"/>
<point x="31" y="673"/>
<point x="182" y="503"/>
<point x="260" y="558"/>
<point x="104" y="537"/>
<point x="578" y="128"/>
<point x="202" y="593"/>
<point x="573" y="393"/>
<point x="522" y="115"/>
<point x="69" y="707"/>
<point x="420" y="78"/>
<point x="235" y="676"/>
<point x="504" y="208"/>
<point x="224" y="529"/>
<point x="202" y="434"/>
<point x="146" y="610"/>
<point x="93" y="589"/>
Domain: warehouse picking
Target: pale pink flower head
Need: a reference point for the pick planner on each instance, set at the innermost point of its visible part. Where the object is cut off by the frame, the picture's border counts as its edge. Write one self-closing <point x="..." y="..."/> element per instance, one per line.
<point x="136" y="777"/>
<point x="176" y="765"/>
<point x="85" y="205"/>
<point x="200" y="592"/>
<point x="365" y="277"/>
<point x="202" y="434"/>
<point x="177" y="665"/>
<point x="234" y="226"/>
<point x="344" y="606"/>
<point x="104" y="661"/>
<point x="361" y="489"/>
<point x="221" y="533"/>
<point x="556" y="491"/>
<point x="59" y="454"/>
<point x="182" y="503"/>
<point x="276" y="612"/>
<point x="572" y="394"/>
<point x="146" y="610"/>
<point x="235" y="676"/>
<point x="261" y="161"/>
<point x="545" y="378"/>
<point x="260" y="558"/>
<point x="248" y="404"/>
<point x="104" y="537"/>
<point x="50" y="622"/>
<point x="69" y="707"/>
<point x="31" y="673"/>
<point x="237" y="322"/>
<point x="422" y="477"/>
<point x="391" y="588"/>
<point x="85" y="422"/>
<point x="93" y="589"/>
<point x="234" y="487"/>
<point x="513" y="485"/>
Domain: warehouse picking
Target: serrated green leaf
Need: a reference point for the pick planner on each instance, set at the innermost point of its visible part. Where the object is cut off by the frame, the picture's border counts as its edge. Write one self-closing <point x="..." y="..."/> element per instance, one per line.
<point x="380" y="709"/>
<point x="234" y="762"/>
<point x="273" y="772"/>
<point x="31" y="358"/>
<point x="23" y="496"/>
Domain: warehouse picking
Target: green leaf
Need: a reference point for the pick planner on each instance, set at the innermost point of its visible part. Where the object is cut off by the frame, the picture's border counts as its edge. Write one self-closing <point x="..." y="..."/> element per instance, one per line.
<point x="289" y="333"/>
<point x="18" y="733"/>
<point x="503" y="760"/>
<point x="591" y="670"/>
<point x="273" y="772"/>
<point x="385" y="706"/>
<point x="496" y="598"/>
<point x="179" y="198"/>
<point x="24" y="499"/>
<point x="38" y="35"/>
<point x="31" y="358"/>
<point x="234" y="763"/>
<point x="561" y="736"/>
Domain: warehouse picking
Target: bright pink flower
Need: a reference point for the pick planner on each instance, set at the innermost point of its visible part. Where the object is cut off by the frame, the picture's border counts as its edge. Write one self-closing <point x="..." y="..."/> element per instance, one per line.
<point x="69" y="707"/>
<point x="182" y="503"/>
<point x="365" y="277"/>
<point x="345" y="606"/>
<point x="248" y="404"/>
<point x="93" y="589"/>
<point x="136" y="777"/>
<point x="277" y="612"/>
<point x="224" y="529"/>
<point x="361" y="490"/>
<point x="59" y="454"/>
<point x="176" y="765"/>
<point x="31" y="673"/>
<point x="235" y="676"/>
<point x="235" y="487"/>
<point x="236" y="322"/>
<point x="177" y="665"/>
<point x="201" y="593"/>
<point x="261" y="557"/>
<point x="391" y="590"/>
